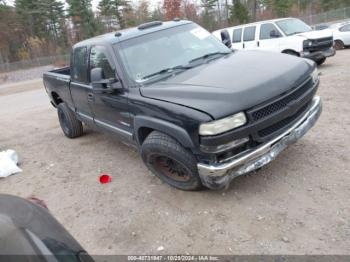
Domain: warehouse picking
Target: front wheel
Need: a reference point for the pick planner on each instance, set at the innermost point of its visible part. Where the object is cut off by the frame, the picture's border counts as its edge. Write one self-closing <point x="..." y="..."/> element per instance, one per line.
<point x="169" y="161"/>
<point x="320" y="61"/>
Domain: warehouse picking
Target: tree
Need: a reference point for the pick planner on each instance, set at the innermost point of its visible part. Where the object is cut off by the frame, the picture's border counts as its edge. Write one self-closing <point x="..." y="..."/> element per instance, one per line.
<point x="207" y="16"/>
<point x="157" y="14"/>
<point x="142" y="12"/>
<point x="238" y="12"/>
<point x="11" y="34"/>
<point x="115" y="9"/>
<point x="53" y="13"/>
<point x="253" y="6"/>
<point x="82" y="17"/>
<point x="333" y="4"/>
<point x="280" y="8"/>
<point x="31" y="16"/>
<point x="190" y="10"/>
<point x="44" y="27"/>
<point x="172" y="9"/>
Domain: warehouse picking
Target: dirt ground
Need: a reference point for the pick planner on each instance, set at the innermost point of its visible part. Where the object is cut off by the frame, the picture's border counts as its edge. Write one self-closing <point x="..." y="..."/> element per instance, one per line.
<point x="299" y="204"/>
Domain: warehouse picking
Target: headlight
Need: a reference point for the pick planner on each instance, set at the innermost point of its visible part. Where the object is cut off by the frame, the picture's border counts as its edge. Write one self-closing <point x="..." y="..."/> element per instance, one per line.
<point x="307" y="43"/>
<point x="222" y="125"/>
<point x="315" y="75"/>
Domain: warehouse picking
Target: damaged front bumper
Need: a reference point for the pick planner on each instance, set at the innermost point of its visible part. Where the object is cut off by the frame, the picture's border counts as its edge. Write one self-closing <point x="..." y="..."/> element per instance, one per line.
<point x="219" y="175"/>
<point x="318" y="55"/>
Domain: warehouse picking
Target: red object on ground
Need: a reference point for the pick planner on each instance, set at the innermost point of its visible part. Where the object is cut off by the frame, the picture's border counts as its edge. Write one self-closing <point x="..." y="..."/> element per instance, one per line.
<point x="105" y="179"/>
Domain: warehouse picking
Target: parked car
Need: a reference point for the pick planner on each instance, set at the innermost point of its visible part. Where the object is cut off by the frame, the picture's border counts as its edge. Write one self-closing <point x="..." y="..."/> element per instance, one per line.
<point x="341" y="34"/>
<point x="287" y="35"/>
<point x="320" y="27"/>
<point x="200" y="113"/>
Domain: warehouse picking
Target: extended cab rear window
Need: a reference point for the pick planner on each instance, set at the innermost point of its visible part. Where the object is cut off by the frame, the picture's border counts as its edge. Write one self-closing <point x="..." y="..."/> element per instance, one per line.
<point x="79" y="67"/>
<point x="249" y="33"/>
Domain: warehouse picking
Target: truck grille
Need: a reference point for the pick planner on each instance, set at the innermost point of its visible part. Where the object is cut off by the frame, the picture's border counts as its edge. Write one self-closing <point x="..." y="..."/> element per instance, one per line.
<point x="281" y="103"/>
<point x="283" y="123"/>
<point x="275" y="116"/>
<point x="320" y="44"/>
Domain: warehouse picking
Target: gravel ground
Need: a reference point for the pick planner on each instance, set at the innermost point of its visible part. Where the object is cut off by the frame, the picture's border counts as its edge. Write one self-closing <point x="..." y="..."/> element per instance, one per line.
<point x="298" y="204"/>
<point x="23" y="75"/>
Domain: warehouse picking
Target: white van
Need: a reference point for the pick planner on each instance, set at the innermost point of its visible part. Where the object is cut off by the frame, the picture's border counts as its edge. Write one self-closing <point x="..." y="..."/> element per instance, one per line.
<point x="287" y="35"/>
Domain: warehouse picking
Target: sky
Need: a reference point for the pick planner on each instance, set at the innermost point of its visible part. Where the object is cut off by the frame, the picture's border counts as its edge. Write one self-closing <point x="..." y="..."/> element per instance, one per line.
<point x="153" y="3"/>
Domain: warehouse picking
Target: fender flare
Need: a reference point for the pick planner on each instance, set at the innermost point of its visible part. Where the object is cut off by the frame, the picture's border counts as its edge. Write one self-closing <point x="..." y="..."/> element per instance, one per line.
<point x="166" y="127"/>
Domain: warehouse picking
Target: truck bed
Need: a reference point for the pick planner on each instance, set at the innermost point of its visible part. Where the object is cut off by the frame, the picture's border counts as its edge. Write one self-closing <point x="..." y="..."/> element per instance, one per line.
<point x="61" y="71"/>
<point x="57" y="83"/>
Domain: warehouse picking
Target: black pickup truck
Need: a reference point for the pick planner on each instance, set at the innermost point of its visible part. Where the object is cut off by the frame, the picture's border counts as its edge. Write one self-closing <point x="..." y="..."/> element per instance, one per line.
<point x="200" y="113"/>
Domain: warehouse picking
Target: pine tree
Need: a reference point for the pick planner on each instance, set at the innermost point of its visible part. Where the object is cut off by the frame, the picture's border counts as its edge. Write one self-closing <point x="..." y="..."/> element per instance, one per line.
<point x="85" y="24"/>
<point x="115" y="8"/>
<point x="53" y="13"/>
<point x="239" y="12"/>
<point x="207" y="16"/>
<point x="31" y="16"/>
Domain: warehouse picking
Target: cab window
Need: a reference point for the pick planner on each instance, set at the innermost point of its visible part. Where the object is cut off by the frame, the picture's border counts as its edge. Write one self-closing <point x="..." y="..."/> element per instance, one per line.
<point x="237" y="35"/>
<point x="249" y="33"/>
<point x="99" y="59"/>
<point x="266" y="29"/>
<point x="79" y="68"/>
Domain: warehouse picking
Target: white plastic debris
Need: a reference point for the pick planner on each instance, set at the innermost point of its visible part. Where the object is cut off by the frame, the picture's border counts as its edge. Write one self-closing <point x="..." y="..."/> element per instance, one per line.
<point x="160" y="248"/>
<point x="8" y="163"/>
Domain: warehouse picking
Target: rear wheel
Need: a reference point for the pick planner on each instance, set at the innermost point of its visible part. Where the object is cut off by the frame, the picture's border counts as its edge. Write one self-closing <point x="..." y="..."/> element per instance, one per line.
<point x="70" y="125"/>
<point x="171" y="162"/>
<point x="338" y="44"/>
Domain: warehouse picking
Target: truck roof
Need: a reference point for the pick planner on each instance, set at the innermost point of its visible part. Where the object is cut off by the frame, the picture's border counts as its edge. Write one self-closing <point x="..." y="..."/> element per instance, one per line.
<point x="122" y="35"/>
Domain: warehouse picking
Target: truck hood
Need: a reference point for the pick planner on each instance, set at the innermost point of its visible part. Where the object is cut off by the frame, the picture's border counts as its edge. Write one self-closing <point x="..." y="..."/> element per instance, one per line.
<point x="316" y="34"/>
<point x="231" y="84"/>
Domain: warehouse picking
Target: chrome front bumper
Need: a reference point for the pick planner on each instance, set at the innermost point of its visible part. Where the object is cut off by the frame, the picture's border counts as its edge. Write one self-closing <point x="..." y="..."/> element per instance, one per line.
<point x="220" y="175"/>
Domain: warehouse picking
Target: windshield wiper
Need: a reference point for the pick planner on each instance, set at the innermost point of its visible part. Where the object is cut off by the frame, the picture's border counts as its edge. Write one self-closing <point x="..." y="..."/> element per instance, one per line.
<point x="209" y="55"/>
<point x="168" y="70"/>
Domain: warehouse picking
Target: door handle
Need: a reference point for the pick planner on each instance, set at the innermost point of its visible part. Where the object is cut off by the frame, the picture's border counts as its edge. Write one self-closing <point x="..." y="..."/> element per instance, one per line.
<point x="90" y="97"/>
<point x="258" y="43"/>
<point x="243" y="45"/>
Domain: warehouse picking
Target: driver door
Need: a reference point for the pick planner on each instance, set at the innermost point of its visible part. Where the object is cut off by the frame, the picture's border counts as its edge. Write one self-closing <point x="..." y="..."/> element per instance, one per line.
<point x="110" y="107"/>
<point x="269" y="37"/>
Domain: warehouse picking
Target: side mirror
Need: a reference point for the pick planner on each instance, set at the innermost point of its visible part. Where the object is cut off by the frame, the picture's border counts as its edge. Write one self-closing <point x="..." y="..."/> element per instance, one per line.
<point x="274" y="34"/>
<point x="99" y="83"/>
<point x="96" y="77"/>
<point x="226" y="39"/>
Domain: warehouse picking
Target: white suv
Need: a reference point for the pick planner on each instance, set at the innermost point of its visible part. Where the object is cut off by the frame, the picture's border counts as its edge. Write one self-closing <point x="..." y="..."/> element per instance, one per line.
<point x="287" y="35"/>
<point x="341" y="33"/>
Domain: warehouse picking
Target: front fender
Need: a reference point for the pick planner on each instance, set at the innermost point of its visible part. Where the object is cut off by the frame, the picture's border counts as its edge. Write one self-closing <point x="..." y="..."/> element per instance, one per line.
<point x="166" y="127"/>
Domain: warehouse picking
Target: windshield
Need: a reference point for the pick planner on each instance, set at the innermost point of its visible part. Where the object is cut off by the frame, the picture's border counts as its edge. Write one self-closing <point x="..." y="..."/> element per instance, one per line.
<point x="164" y="51"/>
<point x="293" y="26"/>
